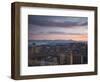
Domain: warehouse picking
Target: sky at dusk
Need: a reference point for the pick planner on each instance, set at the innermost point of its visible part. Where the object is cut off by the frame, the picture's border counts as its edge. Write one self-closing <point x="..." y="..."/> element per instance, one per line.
<point x="57" y="28"/>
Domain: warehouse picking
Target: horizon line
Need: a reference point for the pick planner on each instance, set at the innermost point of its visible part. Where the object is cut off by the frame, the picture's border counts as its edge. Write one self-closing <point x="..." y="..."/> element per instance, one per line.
<point x="60" y="39"/>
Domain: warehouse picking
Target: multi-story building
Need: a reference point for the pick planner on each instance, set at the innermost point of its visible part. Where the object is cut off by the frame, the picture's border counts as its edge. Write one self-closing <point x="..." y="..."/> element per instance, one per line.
<point x="75" y="53"/>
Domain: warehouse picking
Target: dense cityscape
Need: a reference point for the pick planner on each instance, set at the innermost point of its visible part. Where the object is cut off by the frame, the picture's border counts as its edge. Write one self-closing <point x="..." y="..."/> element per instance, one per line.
<point x="67" y="53"/>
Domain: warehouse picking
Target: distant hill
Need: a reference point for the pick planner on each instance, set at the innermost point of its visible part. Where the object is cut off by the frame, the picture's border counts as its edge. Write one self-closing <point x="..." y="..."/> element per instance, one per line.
<point x="52" y="42"/>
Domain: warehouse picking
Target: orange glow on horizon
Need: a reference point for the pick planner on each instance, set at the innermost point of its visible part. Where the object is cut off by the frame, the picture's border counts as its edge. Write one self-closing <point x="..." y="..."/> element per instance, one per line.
<point x="81" y="37"/>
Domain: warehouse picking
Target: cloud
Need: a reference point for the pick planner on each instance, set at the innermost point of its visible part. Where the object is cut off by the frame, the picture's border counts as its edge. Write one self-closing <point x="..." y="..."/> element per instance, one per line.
<point x="57" y="21"/>
<point x="35" y="29"/>
<point x="55" y="27"/>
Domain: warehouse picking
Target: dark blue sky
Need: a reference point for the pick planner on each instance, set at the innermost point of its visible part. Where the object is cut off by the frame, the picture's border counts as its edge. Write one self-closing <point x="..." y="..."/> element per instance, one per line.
<point x="58" y="21"/>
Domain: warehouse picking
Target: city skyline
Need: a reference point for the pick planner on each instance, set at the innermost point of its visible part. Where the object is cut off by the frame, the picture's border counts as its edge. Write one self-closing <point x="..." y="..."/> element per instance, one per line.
<point x="57" y="28"/>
